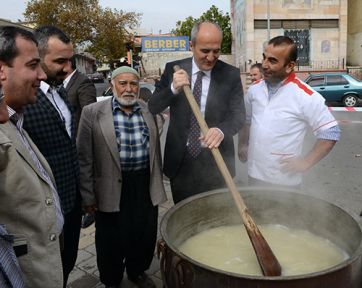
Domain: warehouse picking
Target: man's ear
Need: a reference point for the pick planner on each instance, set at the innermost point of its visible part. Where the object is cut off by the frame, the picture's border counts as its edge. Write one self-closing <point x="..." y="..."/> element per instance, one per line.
<point x="290" y="67"/>
<point x="191" y="47"/>
<point x="2" y="71"/>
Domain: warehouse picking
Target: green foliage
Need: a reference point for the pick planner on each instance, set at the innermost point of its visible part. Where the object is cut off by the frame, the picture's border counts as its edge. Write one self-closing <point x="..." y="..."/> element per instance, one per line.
<point x="183" y="28"/>
<point x="102" y="31"/>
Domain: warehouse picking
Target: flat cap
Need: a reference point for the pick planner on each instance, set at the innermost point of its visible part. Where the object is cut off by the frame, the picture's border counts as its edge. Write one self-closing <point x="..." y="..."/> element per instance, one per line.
<point x="124" y="69"/>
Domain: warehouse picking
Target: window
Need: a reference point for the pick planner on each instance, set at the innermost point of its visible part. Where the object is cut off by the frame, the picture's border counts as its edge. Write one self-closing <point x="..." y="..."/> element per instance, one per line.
<point x="336" y="80"/>
<point x="316" y="81"/>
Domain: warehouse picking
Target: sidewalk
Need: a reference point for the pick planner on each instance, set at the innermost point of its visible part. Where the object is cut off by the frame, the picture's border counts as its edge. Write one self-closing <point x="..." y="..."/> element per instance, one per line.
<point x="85" y="274"/>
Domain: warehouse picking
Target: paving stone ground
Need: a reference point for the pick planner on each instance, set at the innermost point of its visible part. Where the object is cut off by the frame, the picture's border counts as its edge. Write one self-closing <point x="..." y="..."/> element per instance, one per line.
<point x="86" y="275"/>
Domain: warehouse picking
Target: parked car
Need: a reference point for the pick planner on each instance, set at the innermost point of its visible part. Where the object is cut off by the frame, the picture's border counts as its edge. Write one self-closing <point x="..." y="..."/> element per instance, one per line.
<point x="146" y="90"/>
<point x="337" y="87"/>
<point x="96" y="77"/>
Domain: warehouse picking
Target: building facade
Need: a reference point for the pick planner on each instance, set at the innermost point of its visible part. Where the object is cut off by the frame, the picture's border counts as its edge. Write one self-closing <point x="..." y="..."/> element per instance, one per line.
<point x="319" y="28"/>
<point x="354" y="40"/>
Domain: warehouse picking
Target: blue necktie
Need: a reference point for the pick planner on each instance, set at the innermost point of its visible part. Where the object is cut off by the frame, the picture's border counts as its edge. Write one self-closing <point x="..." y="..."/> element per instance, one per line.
<point x="194" y="145"/>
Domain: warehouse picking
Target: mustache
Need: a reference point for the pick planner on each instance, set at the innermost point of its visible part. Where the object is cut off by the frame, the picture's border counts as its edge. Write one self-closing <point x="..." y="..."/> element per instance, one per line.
<point x="129" y="94"/>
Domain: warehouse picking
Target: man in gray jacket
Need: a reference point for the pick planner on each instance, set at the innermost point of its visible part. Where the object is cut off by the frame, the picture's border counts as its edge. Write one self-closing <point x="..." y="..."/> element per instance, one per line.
<point x="121" y="179"/>
<point x="30" y="207"/>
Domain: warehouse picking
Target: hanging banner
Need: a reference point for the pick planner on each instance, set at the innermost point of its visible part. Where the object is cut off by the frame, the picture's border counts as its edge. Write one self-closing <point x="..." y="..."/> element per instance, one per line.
<point x="165" y="44"/>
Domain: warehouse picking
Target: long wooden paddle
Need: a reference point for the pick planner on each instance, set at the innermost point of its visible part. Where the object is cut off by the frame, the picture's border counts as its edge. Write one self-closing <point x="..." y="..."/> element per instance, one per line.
<point x="267" y="260"/>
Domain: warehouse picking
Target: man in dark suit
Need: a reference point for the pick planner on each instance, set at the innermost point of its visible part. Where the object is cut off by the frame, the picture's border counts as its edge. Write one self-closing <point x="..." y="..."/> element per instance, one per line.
<point x="51" y="125"/>
<point x="190" y="167"/>
<point x="80" y="90"/>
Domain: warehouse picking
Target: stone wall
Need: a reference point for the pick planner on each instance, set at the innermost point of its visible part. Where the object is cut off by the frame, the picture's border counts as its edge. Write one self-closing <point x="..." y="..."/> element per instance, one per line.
<point x="354" y="47"/>
<point x="326" y="44"/>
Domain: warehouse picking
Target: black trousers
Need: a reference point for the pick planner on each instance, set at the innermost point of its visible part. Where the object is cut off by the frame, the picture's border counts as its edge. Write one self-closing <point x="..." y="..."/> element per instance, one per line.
<point x="71" y="232"/>
<point x="196" y="175"/>
<point x="127" y="239"/>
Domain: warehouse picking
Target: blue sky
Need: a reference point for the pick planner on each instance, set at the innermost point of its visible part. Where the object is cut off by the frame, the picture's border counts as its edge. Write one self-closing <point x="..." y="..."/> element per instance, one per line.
<point x="157" y="14"/>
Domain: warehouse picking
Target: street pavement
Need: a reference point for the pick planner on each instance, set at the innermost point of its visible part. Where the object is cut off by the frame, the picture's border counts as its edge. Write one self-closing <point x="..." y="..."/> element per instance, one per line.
<point x="86" y="275"/>
<point x="336" y="179"/>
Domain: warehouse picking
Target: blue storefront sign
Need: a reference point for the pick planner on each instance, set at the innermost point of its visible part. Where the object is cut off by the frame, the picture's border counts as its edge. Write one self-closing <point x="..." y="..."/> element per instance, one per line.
<point x="165" y="44"/>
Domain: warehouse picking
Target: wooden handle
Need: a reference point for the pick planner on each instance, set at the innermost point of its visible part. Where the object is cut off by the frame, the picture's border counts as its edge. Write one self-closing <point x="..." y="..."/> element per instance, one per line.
<point x="268" y="262"/>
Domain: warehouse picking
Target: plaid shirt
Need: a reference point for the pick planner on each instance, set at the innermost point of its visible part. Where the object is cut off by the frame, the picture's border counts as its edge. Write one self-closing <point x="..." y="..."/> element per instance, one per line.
<point x="132" y="138"/>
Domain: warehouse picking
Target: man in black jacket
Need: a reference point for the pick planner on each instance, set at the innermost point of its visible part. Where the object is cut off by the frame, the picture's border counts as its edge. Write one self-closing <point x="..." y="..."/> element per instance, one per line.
<point x="50" y="123"/>
<point x="190" y="167"/>
<point x="80" y="90"/>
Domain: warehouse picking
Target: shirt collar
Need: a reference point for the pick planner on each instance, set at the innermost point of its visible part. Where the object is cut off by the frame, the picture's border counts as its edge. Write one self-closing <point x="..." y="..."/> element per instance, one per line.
<point x="274" y="88"/>
<point x="45" y="88"/>
<point x="287" y="80"/>
<point x="196" y="69"/>
<point x="117" y="106"/>
<point x="19" y="117"/>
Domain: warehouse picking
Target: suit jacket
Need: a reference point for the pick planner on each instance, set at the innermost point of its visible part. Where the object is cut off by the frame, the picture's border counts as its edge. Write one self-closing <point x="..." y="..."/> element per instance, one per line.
<point x="81" y="92"/>
<point x="46" y="129"/>
<point x="224" y="109"/>
<point x="27" y="212"/>
<point x="100" y="169"/>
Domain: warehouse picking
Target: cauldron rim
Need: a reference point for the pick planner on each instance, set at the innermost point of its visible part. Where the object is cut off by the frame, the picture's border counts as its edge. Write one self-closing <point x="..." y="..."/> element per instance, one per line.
<point x="357" y="253"/>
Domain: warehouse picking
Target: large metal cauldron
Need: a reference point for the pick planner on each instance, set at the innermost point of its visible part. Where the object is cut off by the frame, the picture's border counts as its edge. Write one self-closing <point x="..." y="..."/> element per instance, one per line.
<point x="267" y="206"/>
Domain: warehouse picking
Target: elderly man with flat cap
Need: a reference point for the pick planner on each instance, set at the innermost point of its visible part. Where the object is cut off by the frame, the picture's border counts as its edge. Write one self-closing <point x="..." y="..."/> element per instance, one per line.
<point x="121" y="179"/>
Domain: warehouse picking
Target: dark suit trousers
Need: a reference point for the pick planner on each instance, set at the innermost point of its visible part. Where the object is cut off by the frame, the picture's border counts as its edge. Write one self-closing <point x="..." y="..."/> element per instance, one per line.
<point x="196" y="175"/>
<point x="71" y="232"/>
<point x="127" y="239"/>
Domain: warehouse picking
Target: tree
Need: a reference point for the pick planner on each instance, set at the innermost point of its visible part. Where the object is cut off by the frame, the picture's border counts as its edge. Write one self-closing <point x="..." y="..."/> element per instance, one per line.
<point x="111" y="34"/>
<point x="103" y="32"/>
<point x="183" y="28"/>
<point x="75" y="18"/>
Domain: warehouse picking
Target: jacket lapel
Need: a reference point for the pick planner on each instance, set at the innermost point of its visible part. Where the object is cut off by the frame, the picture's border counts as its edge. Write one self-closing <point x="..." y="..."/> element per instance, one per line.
<point x="187" y="66"/>
<point x="72" y="81"/>
<point x="105" y="119"/>
<point x="44" y="102"/>
<point x="13" y="135"/>
<point x="153" y="131"/>
<point x="40" y="157"/>
<point x="215" y="84"/>
<point x="63" y="94"/>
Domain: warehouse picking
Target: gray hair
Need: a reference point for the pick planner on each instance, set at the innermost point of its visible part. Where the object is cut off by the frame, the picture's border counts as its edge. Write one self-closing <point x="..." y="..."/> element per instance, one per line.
<point x="196" y="28"/>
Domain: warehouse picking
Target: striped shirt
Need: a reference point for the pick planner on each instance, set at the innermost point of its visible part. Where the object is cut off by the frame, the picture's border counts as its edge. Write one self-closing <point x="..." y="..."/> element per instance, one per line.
<point x="10" y="273"/>
<point x="132" y="136"/>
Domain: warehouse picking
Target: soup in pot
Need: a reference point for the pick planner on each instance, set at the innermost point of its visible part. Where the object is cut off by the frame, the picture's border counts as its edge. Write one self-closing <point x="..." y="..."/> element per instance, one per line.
<point x="228" y="248"/>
